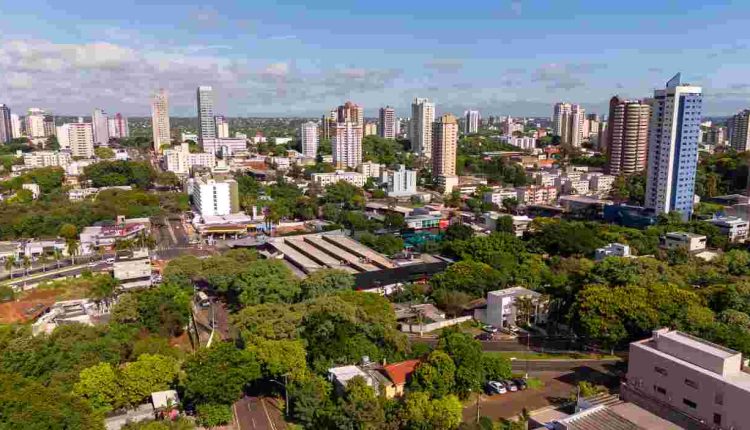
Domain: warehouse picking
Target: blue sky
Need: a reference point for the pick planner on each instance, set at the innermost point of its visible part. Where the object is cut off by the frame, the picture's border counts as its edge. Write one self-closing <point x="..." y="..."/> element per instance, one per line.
<point x="268" y="58"/>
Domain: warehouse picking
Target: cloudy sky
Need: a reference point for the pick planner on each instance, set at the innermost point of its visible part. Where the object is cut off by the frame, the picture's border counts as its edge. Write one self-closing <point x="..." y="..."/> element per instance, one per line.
<point x="267" y="58"/>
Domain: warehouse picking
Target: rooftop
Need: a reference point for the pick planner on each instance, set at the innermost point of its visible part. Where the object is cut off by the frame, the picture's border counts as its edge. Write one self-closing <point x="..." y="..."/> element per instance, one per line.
<point x="398" y="373"/>
<point x="515" y="292"/>
<point x="686" y="234"/>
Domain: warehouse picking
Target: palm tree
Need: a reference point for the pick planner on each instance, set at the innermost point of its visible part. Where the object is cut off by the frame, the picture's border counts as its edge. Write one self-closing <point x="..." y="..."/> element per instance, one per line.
<point x="10" y="261"/>
<point x="72" y="245"/>
<point x="43" y="259"/>
<point x="525" y="306"/>
<point x="57" y="255"/>
<point x="26" y="264"/>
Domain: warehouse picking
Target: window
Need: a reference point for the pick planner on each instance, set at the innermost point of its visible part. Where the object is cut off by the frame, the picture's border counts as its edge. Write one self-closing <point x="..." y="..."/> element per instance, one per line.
<point x="660" y="370"/>
<point x="689" y="403"/>
<point x="717" y="419"/>
<point x="691" y="384"/>
<point x="719" y="398"/>
<point x="660" y="390"/>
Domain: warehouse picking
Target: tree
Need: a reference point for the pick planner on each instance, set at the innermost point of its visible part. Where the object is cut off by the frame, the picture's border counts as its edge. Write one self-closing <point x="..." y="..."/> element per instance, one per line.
<point x="504" y="224"/>
<point x="126" y="309"/>
<point x="510" y="204"/>
<point x="421" y="413"/>
<point x="219" y="374"/>
<point x="10" y="261"/>
<point x="310" y="401"/>
<point x="360" y="405"/>
<point x="99" y="385"/>
<point x="435" y="376"/>
<point x="468" y="276"/>
<point x="467" y="355"/>
<point x="458" y="231"/>
<point x="146" y="375"/>
<point x="281" y="357"/>
<point x="214" y="415"/>
<point x="495" y="367"/>
<point x="326" y="281"/>
<point x="104" y="153"/>
<point x="68" y="231"/>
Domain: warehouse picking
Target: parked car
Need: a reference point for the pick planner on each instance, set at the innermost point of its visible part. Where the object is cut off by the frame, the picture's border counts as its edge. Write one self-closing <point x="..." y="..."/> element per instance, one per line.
<point x="496" y="387"/>
<point x="510" y="385"/>
<point x="520" y="383"/>
<point x="110" y="260"/>
<point x="484" y="336"/>
<point x="490" y="329"/>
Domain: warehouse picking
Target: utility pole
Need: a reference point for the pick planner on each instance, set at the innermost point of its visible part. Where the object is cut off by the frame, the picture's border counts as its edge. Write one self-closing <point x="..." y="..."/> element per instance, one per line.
<point x="479" y="395"/>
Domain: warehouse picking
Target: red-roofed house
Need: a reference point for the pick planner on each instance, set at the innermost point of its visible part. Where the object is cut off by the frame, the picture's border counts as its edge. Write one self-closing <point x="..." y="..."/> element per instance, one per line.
<point x="399" y="374"/>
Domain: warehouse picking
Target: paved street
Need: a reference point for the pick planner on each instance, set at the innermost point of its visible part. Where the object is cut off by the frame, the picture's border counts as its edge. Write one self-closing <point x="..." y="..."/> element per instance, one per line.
<point x="258" y="413"/>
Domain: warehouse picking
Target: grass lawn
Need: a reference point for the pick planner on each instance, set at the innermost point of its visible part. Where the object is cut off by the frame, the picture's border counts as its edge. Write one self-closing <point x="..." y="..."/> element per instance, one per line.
<point x="524" y="355"/>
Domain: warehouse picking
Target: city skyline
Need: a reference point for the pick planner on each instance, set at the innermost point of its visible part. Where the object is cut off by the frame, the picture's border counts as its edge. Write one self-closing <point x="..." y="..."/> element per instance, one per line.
<point x="270" y="62"/>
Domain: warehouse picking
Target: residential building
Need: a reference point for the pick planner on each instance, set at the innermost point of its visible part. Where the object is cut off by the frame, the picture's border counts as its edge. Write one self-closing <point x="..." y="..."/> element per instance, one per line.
<point x="497" y="197"/>
<point x="351" y="112"/>
<point x="226" y="147"/>
<point x="523" y="142"/>
<point x="673" y="148"/>
<point x="447" y="183"/>
<point x="371" y="129"/>
<point x="688" y="380"/>
<point x="472" y="121"/>
<point x="536" y="195"/>
<point x="325" y="179"/>
<point x="612" y="250"/>
<point x="212" y="197"/>
<point x="679" y="239"/>
<point x="160" y="120"/>
<point x="401" y="182"/>
<point x="15" y="125"/>
<point x="520" y="223"/>
<point x="6" y="129"/>
<point x="78" y="137"/>
<point x="739" y="131"/>
<point x="222" y="127"/>
<point x="134" y="270"/>
<point x="39" y="159"/>
<point x="35" y="123"/>
<point x="118" y="126"/>
<point x="100" y="127"/>
<point x="180" y="160"/>
<point x="205" y="104"/>
<point x="33" y="188"/>
<point x="422" y="119"/>
<point x="444" y="145"/>
<point x="387" y="123"/>
<point x="370" y="169"/>
<point x="399" y="374"/>
<point x="48" y="124"/>
<point x="310" y="139"/>
<point x="627" y="134"/>
<point x="512" y="307"/>
<point x="567" y="122"/>
<point x="572" y="183"/>
<point x="734" y="228"/>
<point x="600" y="183"/>
<point x="346" y="143"/>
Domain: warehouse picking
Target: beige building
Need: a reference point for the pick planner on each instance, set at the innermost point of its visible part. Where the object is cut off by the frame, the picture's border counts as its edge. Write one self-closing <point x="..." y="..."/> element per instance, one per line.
<point x="685" y="378"/>
<point x="422" y="118"/>
<point x="568" y="122"/>
<point x="739" y="131"/>
<point x="160" y="119"/>
<point x="351" y="112"/>
<point x="79" y="137"/>
<point x="371" y="129"/>
<point x="627" y="136"/>
<point x="444" y="145"/>
<point x="387" y="123"/>
<point x="346" y="143"/>
<point x="324" y="179"/>
<point x="39" y="159"/>
<point x="180" y="160"/>
<point x="35" y="123"/>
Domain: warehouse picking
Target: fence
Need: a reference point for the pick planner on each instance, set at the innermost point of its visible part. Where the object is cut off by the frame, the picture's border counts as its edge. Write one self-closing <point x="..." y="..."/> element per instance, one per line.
<point x="426" y="328"/>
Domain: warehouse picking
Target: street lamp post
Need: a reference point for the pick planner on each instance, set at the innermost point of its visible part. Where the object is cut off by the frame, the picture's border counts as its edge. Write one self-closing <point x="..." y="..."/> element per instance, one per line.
<point x="286" y="393"/>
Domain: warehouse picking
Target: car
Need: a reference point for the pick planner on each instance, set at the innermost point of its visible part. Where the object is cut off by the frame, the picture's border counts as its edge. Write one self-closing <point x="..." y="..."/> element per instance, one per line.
<point x="510" y="385"/>
<point x="520" y="383"/>
<point x="483" y="336"/>
<point x="496" y="387"/>
<point x="110" y="260"/>
<point x="490" y="329"/>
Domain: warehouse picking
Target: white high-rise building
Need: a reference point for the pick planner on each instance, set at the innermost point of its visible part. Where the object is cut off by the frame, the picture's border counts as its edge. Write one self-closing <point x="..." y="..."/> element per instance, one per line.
<point x="471" y="122"/>
<point x="422" y="117"/>
<point x="673" y="148"/>
<point x="15" y="125"/>
<point x="568" y="122"/>
<point x="222" y="127"/>
<point x="387" y="123"/>
<point x="100" y="124"/>
<point x="215" y="198"/>
<point x="401" y="182"/>
<point x="347" y="144"/>
<point x="160" y="119"/>
<point x="118" y="127"/>
<point x="308" y="134"/>
<point x="205" y="103"/>
<point x="35" y="123"/>
<point x="78" y="137"/>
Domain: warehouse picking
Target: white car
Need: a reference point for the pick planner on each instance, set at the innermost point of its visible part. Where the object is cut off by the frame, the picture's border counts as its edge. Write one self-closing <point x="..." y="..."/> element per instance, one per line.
<point x="495" y="387"/>
<point x="110" y="260"/>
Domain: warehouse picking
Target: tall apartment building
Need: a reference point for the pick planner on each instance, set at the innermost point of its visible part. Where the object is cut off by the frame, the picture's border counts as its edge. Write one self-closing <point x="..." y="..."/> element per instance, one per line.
<point x="471" y="124"/>
<point x="205" y="103"/>
<point x="118" y="126"/>
<point x="15" y="125"/>
<point x="627" y="134"/>
<point x="160" y="119"/>
<point x="100" y="124"/>
<point x="444" y="146"/>
<point x="78" y="137"/>
<point x="387" y="122"/>
<point x="739" y="131"/>
<point x="308" y="135"/>
<point x="695" y="383"/>
<point x="401" y="182"/>
<point x="422" y="117"/>
<point x="38" y="159"/>
<point x="222" y="127"/>
<point x="371" y="129"/>
<point x="35" y="127"/>
<point x="216" y="198"/>
<point x="568" y="123"/>
<point x="351" y="112"/>
<point x="180" y="160"/>
<point x="346" y="142"/>
<point x="673" y="148"/>
<point x="6" y="130"/>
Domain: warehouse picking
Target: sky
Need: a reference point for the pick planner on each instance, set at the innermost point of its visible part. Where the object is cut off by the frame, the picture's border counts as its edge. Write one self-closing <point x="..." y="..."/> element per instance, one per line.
<point x="289" y="58"/>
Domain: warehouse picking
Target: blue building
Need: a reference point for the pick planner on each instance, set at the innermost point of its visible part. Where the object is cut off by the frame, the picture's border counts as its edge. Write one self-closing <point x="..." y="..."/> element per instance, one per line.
<point x="673" y="148"/>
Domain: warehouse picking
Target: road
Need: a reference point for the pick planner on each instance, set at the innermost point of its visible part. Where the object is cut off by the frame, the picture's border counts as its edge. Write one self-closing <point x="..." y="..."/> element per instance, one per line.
<point x="52" y="274"/>
<point x="258" y="413"/>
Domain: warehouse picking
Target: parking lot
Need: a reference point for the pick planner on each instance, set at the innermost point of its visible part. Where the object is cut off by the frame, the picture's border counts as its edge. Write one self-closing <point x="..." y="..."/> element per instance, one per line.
<point x="557" y="389"/>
